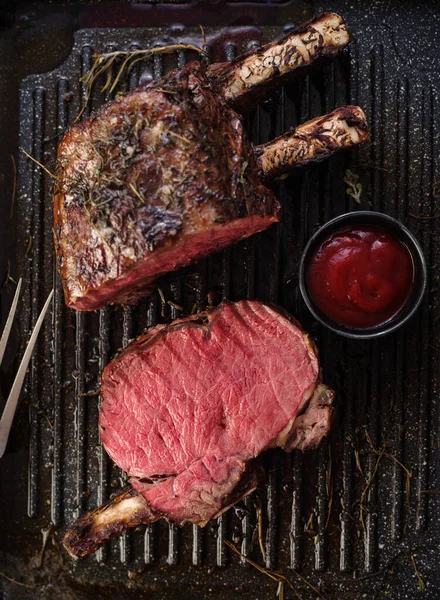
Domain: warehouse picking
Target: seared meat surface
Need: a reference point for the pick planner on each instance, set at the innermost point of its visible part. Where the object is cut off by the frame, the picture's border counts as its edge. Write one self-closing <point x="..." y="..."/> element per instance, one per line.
<point x="188" y="407"/>
<point x="158" y="179"/>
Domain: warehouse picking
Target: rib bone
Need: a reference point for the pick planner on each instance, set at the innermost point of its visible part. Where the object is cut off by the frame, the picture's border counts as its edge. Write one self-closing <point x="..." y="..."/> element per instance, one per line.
<point x="313" y="141"/>
<point x="128" y="509"/>
<point x="243" y="81"/>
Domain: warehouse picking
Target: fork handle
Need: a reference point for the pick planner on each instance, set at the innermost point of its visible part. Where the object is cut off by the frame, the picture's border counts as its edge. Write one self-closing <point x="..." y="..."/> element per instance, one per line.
<point x="11" y="404"/>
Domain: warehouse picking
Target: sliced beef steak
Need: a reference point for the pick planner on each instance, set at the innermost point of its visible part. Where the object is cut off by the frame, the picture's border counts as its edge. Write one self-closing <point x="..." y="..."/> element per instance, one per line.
<point x="226" y="383"/>
<point x="188" y="407"/>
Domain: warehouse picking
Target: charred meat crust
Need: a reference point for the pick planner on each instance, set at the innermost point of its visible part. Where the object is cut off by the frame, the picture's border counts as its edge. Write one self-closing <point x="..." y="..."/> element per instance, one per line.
<point x="314" y="423"/>
<point x="248" y="79"/>
<point x="313" y="141"/>
<point x="152" y="173"/>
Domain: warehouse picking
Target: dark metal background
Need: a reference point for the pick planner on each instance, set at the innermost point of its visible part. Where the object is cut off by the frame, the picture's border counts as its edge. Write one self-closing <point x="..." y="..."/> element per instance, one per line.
<point x="55" y="468"/>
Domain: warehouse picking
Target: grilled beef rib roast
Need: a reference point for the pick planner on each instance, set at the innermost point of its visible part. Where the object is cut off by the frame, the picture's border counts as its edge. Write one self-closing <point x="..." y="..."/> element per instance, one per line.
<point x="166" y="174"/>
<point x="188" y="407"/>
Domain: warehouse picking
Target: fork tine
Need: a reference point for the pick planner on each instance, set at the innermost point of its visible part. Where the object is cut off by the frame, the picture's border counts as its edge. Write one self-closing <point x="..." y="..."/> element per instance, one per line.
<point x="7" y="329"/>
<point x="11" y="404"/>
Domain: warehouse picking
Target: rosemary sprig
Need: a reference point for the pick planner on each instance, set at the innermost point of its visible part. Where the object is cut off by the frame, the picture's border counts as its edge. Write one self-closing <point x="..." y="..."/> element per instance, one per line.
<point x="104" y="63"/>
<point x="354" y="188"/>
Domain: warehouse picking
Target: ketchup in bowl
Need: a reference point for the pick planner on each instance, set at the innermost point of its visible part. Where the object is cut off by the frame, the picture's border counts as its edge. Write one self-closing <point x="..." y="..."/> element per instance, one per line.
<point x="360" y="276"/>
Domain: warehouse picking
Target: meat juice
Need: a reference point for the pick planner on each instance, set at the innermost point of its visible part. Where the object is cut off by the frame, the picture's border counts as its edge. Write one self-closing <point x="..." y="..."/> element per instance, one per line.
<point x="361" y="276"/>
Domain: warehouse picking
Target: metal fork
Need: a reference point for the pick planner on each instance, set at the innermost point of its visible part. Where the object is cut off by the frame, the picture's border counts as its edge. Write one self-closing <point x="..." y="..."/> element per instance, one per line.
<point x="11" y="404"/>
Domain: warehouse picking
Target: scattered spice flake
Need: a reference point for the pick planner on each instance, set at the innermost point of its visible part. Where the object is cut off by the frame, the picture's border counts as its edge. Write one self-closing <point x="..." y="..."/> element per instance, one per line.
<point x="420" y="580"/>
<point x="104" y="63"/>
<point x="354" y="188"/>
<point x="39" y="164"/>
<point x="14" y="184"/>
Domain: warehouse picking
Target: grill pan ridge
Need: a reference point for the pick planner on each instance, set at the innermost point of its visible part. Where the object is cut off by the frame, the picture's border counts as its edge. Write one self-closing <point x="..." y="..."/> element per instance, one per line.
<point x="387" y="389"/>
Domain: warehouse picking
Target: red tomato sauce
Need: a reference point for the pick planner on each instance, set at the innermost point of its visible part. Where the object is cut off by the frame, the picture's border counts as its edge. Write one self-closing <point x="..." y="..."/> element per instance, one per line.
<point x="360" y="277"/>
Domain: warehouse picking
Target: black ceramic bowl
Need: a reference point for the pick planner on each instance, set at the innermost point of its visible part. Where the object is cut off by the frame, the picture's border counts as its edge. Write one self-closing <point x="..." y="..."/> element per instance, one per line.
<point x="396" y="229"/>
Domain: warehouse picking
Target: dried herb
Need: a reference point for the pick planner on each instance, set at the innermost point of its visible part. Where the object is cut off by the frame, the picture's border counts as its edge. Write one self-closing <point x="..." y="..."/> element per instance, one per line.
<point x="203" y="35"/>
<point x="89" y="394"/>
<point x="277" y="576"/>
<point x="418" y="575"/>
<point x="329" y="486"/>
<point x="46" y="536"/>
<point x="260" y="529"/>
<point x="175" y="306"/>
<point x="41" y="412"/>
<point x="180" y="137"/>
<point x="29" y="242"/>
<point x="173" y="93"/>
<point x="381" y="453"/>
<point x="163" y="303"/>
<point x="104" y="63"/>
<point x="354" y="188"/>
<point x="362" y="507"/>
<point x="423" y="217"/>
<point x="136" y="193"/>
<point x="30" y="587"/>
<point x="397" y="461"/>
<point x="39" y="164"/>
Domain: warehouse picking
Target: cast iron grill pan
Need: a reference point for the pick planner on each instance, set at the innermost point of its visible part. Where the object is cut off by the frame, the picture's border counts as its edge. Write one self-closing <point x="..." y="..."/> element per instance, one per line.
<point x="310" y="505"/>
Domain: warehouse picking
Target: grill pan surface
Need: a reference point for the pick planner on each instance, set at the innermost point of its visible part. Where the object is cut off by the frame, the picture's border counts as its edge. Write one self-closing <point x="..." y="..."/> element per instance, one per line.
<point x="346" y="517"/>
